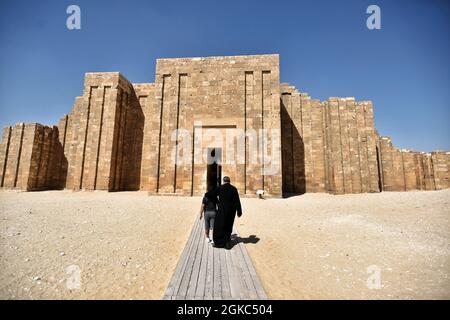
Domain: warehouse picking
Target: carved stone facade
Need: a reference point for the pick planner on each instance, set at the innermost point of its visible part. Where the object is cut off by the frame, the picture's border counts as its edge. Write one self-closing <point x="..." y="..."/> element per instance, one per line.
<point x="204" y="118"/>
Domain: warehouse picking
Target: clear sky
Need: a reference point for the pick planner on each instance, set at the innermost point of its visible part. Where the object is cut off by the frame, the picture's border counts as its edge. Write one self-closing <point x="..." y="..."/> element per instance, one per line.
<point x="325" y="49"/>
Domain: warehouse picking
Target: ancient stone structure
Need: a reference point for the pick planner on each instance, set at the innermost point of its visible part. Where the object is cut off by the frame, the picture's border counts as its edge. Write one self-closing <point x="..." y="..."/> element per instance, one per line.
<point x="178" y="134"/>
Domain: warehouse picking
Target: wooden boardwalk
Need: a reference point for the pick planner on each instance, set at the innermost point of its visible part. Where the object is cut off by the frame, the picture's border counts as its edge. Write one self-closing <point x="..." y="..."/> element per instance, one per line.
<point x="205" y="272"/>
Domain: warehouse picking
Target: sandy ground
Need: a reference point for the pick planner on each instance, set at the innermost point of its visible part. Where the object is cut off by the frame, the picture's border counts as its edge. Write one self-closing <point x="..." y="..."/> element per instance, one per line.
<point x="320" y="246"/>
<point x="126" y="245"/>
<point x="123" y="245"/>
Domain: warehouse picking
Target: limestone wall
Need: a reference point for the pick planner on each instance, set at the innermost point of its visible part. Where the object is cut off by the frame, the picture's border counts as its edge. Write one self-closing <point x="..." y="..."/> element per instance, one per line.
<point x="150" y="104"/>
<point x="27" y="157"/>
<point x="4" y="154"/>
<point x="333" y="146"/>
<point x="218" y="93"/>
<point x="103" y="136"/>
<point x="97" y="146"/>
<point x="441" y="167"/>
<point x="328" y="146"/>
<point x="404" y="170"/>
<point x="17" y="157"/>
<point x="155" y="136"/>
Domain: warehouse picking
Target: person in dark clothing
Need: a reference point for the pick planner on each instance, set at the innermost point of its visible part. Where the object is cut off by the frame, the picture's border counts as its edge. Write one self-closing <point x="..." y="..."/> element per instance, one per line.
<point x="229" y="204"/>
<point x="209" y="208"/>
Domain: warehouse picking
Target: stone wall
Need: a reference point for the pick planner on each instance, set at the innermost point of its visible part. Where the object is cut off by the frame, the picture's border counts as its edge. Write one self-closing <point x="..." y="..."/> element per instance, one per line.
<point x="27" y="157"/>
<point x="155" y="137"/>
<point x="150" y="104"/>
<point x="97" y="146"/>
<point x="222" y="94"/>
<point x="103" y="136"/>
<point x="441" y="168"/>
<point x="404" y="170"/>
<point x="333" y="147"/>
<point x="328" y="146"/>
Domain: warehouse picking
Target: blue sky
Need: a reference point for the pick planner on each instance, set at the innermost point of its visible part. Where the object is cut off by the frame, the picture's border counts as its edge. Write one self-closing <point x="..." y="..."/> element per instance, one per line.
<point x="325" y="49"/>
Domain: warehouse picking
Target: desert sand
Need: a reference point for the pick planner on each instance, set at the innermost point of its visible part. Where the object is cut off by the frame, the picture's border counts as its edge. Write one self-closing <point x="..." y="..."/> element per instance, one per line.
<point x="126" y="245"/>
<point x="316" y="246"/>
<point x="320" y="246"/>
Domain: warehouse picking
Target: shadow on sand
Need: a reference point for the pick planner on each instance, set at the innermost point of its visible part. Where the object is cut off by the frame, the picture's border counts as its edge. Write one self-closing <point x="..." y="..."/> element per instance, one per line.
<point x="235" y="239"/>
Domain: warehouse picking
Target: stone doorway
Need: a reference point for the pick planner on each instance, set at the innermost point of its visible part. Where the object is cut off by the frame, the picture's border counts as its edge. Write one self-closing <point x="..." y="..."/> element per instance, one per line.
<point x="214" y="168"/>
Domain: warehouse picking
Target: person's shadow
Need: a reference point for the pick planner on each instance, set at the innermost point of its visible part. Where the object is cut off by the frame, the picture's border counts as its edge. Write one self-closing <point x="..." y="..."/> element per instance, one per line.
<point x="235" y="239"/>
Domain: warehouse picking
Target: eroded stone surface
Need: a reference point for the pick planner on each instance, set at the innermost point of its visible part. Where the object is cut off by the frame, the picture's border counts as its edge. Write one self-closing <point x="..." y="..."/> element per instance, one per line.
<point x="122" y="136"/>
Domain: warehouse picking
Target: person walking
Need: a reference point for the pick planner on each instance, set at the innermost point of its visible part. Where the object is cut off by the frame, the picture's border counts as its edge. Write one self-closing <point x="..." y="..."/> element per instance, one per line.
<point x="229" y="204"/>
<point x="209" y="210"/>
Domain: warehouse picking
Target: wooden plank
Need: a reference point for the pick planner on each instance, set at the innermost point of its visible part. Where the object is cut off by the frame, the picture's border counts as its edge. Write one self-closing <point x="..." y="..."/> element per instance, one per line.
<point x="196" y="268"/>
<point x="200" y="290"/>
<point x="237" y="268"/>
<point x="249" y="265"/>
<point x="209" y="274"/>
<point x="182" y="290"/>
<point x="233" y="279"/>
<point x="224" y="279"/>
<point x="245" y="272"/>
<point x="217" y="287"/>
<point x="204" y="272"/>
<point x="256" y="282"/>
<point x="176" y="277"/>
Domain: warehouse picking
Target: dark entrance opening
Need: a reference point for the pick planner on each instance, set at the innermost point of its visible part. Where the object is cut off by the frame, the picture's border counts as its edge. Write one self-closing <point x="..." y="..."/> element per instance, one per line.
<point x="214" y="168"/>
